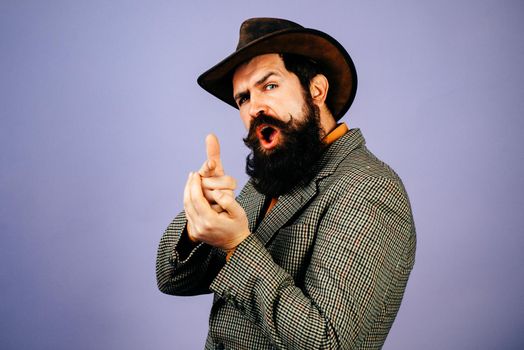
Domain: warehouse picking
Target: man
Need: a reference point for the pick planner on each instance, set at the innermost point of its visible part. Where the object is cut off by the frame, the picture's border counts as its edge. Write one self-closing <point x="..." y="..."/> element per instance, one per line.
<point x="316" y="250"/>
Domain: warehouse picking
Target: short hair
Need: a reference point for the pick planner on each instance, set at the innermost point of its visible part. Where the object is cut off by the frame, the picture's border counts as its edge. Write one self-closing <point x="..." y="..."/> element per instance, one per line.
<point x="304" y="68"/>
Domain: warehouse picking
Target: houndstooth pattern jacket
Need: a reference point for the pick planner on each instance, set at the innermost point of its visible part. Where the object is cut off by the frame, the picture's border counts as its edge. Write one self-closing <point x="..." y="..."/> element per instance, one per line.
<point x="326" y="268"/>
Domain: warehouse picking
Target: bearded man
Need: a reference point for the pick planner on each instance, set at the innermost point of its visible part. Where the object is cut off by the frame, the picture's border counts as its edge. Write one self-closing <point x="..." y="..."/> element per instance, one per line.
<point x="316" y="251"/>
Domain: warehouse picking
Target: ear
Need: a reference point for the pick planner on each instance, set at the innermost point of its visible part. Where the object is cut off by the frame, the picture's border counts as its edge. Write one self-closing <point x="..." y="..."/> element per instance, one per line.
<point x="318" y="87"/>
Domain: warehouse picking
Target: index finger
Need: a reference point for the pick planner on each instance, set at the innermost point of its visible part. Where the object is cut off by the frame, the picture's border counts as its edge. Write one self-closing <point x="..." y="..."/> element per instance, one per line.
<point x="213" y="154"/>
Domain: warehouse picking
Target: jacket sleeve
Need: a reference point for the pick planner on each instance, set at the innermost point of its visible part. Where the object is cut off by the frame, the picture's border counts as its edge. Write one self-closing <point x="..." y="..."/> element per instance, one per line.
<point x="181" y="275"/>
<point x="361" y="245"/>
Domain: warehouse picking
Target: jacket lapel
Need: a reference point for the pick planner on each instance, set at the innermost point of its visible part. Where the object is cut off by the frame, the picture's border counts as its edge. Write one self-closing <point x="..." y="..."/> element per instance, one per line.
<point x="287" y="206"/>
<point x="253" y="203"/>
<point x="290" y="204"/>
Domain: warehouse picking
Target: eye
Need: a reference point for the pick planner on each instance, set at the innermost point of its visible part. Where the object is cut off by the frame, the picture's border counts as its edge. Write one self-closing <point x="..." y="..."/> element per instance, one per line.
<point x="241" y="100"/>
<point x="271" y="86"/>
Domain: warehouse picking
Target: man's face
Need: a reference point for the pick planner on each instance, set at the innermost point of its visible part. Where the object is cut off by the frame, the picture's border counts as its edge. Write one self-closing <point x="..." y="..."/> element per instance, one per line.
<point x="283" y="123"/>
<point x="263" y="86"/>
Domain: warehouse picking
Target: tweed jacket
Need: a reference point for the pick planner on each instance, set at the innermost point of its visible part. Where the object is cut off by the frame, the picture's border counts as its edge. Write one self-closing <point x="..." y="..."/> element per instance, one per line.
<point x="326" y="268"/>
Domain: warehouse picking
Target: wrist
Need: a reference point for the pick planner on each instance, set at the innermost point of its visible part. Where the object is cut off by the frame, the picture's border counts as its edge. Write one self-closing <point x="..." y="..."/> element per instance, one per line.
<point x="190" y="237"/>
<point x="231" y="251"/>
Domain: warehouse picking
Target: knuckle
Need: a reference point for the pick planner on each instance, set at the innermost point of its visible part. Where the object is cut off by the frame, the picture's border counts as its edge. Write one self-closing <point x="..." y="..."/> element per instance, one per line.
<point x="227" y="200"/>
<point x="232" y="182"/>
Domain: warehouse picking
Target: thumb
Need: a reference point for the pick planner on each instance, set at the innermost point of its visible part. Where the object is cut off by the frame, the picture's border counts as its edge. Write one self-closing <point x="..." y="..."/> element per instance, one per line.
<point x="213" y="154"/>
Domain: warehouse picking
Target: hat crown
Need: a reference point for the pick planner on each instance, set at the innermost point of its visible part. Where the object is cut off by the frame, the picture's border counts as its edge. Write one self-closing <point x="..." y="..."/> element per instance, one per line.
<point x="262" y="35"/>
<point x="255" y="28"/>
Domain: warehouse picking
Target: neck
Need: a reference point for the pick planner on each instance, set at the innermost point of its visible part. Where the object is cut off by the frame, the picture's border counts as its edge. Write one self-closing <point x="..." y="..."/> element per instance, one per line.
<point x="327" y="121"/>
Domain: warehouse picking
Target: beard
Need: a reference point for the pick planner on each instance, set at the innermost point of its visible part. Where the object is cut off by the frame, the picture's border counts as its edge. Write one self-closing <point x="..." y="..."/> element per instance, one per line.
<point x="276" y="171"/>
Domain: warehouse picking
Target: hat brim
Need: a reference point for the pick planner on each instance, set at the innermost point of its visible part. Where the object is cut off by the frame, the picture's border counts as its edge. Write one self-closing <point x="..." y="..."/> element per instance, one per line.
<point x="322" y="48"/>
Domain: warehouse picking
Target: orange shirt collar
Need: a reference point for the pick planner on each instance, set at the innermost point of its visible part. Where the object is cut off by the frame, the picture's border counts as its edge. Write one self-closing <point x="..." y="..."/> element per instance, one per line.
<point x="336" y="133"/>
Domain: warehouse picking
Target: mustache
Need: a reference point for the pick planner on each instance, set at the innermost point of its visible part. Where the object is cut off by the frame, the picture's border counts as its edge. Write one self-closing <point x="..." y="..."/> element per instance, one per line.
<point x="264" y="119"/>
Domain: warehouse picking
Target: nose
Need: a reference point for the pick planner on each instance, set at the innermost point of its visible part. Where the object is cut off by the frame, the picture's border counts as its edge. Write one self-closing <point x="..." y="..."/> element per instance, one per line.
<point x="256" y="106"/>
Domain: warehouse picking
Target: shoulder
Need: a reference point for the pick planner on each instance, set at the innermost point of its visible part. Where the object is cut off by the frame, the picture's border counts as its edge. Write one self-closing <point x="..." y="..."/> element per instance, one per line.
<point x="360" y="179"/>
<point x="358" y="166"/>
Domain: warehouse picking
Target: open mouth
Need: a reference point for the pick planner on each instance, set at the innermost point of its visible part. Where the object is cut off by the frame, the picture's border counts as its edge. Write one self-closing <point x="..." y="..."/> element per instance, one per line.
<point x="268" y="136"/>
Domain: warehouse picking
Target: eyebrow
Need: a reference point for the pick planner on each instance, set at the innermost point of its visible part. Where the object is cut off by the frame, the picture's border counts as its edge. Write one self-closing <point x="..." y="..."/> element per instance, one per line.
<point x="265" y="77"/>
<point x="259" y="82"/>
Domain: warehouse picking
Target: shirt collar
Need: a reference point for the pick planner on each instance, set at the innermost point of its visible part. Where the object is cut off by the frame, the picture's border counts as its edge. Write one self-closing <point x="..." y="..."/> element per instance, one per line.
<point x="336" y="133"/>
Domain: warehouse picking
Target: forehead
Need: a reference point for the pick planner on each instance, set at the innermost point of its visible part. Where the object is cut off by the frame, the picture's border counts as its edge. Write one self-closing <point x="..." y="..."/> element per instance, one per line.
<point x="258" y="65"/>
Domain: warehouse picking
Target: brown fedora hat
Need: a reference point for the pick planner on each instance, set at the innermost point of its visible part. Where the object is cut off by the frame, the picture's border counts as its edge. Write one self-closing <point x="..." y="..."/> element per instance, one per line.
<point x="260" y="36"/>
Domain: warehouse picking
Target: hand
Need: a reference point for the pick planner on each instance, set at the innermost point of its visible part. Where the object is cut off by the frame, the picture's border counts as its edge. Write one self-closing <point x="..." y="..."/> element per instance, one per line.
<point x="224" y="230"/>
<point x="212" y="173"/>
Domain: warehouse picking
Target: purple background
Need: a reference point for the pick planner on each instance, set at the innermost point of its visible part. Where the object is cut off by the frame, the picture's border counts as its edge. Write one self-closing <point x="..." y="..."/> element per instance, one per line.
<point x="102" y="119"/>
